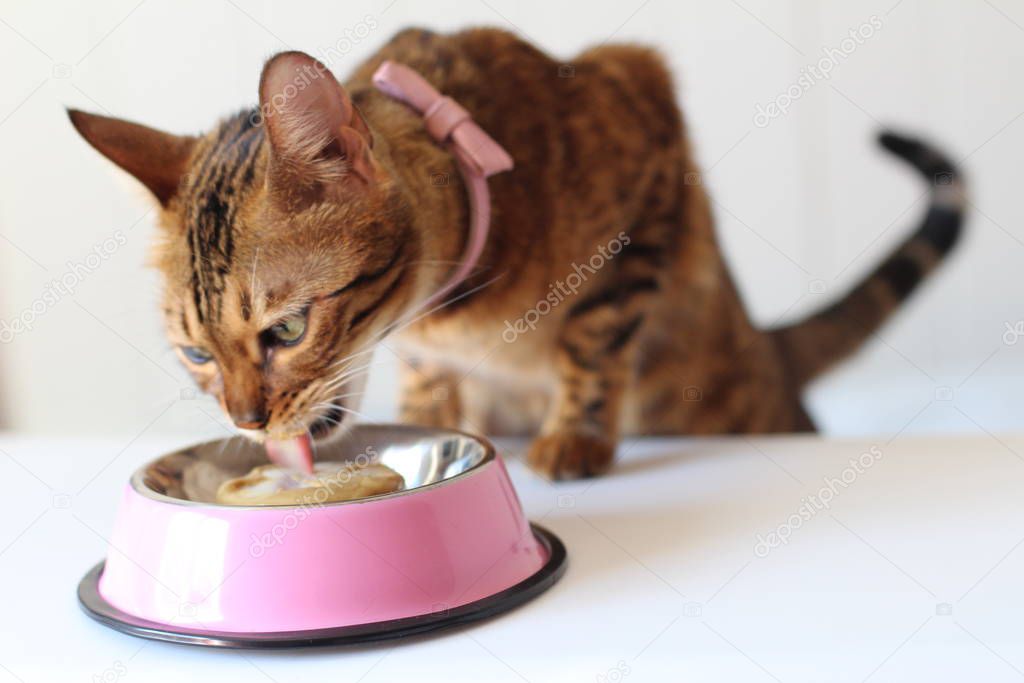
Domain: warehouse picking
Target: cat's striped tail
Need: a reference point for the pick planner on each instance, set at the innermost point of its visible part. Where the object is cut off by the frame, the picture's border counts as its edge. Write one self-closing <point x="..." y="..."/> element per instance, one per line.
<point x="815" y="344"/>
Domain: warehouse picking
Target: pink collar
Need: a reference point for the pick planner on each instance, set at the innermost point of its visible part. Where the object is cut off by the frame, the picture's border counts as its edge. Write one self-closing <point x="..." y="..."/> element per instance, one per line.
<point x="476" y="153"/>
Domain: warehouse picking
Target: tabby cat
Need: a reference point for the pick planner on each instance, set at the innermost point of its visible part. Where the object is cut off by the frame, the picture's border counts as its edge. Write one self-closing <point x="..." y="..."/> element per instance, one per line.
<point x="292" y="243"/>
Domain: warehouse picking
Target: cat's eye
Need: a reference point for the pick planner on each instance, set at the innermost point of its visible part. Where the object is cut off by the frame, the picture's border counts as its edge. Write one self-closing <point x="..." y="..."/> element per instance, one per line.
<point x="289" y="331"/>
<point x="196" y="354"/>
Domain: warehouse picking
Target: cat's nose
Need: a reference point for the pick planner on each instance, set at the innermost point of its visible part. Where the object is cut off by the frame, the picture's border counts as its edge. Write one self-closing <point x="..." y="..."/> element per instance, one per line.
<point x="251" y="419"/>
<point x="243" y="397"/>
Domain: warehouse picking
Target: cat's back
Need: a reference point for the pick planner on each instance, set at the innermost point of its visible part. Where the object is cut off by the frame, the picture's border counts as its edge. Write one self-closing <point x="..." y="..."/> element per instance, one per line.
<point x="513" y="88"/>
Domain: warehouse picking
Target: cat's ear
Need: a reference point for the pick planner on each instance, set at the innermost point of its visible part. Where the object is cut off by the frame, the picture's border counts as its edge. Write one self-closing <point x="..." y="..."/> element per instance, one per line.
<point x="315" y="131"/>
<point x="157" y="159"/>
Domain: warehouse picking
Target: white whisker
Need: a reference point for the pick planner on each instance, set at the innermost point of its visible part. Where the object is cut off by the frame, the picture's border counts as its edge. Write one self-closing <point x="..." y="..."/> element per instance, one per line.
<point x="252" y="283"/>
<point x="401" y="324"/>
<point x="350" y="411"/>
<point x="350" y="357"/>
<point x="335" y="382"/>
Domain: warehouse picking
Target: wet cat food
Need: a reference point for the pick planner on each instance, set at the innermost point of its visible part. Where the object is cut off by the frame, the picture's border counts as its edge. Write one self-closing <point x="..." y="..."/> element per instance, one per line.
<point x="330" y="482"/>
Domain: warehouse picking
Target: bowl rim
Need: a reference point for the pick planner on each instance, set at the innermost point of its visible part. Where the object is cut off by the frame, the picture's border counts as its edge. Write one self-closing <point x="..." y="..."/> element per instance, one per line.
<point x="137" y="480"/>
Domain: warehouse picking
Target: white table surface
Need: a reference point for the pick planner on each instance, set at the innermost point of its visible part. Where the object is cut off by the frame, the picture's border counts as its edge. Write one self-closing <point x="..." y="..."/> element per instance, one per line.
<point x="915" y="573"/>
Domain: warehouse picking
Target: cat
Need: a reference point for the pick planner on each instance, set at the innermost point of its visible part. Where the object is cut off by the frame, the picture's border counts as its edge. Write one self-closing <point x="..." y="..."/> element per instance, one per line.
<point x="292" y="244"/>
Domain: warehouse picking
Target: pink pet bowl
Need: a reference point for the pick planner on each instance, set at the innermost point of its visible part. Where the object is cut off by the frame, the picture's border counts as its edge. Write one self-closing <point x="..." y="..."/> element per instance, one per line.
<point x="451" y="548"/>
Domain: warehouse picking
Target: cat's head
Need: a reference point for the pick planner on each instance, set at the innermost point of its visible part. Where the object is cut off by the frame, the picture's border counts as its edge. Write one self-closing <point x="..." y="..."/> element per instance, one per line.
<point x="285" y="248"/>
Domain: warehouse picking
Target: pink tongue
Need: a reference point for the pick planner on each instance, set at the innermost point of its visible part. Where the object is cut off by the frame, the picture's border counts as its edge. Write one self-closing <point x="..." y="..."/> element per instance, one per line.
<point x="295" y="454"/>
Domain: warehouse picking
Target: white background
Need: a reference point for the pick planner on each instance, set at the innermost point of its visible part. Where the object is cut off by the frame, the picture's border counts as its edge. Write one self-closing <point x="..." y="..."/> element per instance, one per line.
<point x="807" y="198"/>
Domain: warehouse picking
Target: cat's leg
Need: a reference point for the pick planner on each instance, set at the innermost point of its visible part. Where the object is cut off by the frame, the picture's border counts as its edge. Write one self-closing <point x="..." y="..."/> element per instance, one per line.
<point x="430" y="396"/>
<point x="578" y="438"/>
<point x="596" y="354"/>
<point x="600" y="337"/>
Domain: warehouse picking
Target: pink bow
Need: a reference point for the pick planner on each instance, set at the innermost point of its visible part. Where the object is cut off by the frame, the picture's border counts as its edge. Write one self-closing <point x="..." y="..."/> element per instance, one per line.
<point x="477" y="154"/>
<point x="444" y="117"/>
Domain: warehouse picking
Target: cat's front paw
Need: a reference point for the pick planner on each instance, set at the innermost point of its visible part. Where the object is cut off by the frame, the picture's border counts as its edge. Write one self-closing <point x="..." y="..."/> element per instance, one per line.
<point x="569" y="455"/>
